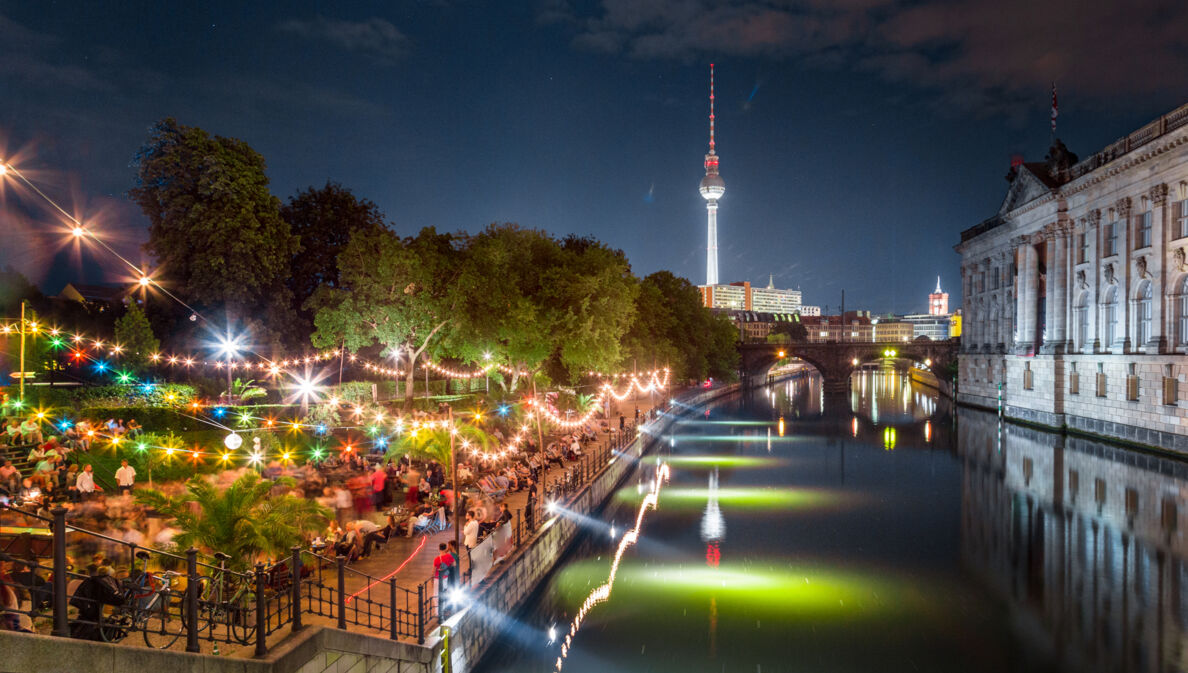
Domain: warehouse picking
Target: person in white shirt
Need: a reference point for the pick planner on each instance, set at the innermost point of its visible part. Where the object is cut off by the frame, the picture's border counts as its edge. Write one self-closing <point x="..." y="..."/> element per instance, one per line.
<point x="125" y="477"/>
<point x="132" y="535"/>
<point x="84" y="485"/>
<point x="470" y="531"/>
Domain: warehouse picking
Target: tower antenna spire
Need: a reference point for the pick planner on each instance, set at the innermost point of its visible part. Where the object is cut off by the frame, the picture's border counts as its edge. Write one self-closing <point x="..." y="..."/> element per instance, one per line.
<point x="711" y="146"/>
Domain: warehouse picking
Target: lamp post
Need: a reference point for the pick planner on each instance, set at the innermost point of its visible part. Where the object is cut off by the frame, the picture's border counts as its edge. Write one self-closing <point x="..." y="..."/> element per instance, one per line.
<point x="454" y="486"/>
<point x="544" y="465"/>
<point x="22" y="373"/>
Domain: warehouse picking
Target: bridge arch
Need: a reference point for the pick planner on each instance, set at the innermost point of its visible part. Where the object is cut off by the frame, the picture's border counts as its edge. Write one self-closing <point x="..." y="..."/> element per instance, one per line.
<point x="837" y="360"/>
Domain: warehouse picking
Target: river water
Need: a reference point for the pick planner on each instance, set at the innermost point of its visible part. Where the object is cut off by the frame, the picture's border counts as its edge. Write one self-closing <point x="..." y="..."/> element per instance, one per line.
<point x="890" y="532"/>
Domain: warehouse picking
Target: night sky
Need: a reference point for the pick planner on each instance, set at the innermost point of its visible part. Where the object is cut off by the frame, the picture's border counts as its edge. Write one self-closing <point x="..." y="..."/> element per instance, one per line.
<point x="857" y="137"/>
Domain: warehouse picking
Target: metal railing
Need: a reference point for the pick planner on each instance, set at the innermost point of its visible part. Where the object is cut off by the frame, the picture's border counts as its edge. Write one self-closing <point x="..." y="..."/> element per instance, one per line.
<point x="175" y="600"/>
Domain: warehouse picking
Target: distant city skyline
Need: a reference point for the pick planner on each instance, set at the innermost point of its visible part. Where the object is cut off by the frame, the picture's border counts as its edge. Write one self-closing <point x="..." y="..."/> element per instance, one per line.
<point x="855" y="162"/>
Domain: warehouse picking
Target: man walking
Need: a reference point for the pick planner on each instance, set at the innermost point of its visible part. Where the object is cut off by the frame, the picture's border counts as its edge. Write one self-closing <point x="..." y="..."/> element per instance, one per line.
<point x="125" y="477"/>
<point x="443" y="570"/>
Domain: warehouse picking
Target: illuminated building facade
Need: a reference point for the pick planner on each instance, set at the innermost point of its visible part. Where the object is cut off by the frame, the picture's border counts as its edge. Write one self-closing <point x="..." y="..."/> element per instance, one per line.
<point x="1076" y="292"/>
<point x="938" y="301"/>
<point x="743" y="297"/>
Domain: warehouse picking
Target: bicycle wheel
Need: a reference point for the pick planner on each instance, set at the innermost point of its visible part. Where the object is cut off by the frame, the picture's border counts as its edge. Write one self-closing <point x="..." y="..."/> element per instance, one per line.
<point x="241" y="614"/>
<point x="113" y="629"/>
<point x="160" y="628"/>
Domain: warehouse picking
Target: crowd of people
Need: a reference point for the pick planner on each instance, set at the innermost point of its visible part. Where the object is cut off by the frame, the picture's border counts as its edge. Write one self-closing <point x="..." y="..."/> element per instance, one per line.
<point x="373" y="500"/>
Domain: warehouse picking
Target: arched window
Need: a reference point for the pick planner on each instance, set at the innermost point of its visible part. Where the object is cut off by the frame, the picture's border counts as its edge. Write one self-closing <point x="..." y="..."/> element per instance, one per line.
<point x="1143" y="314"/>
<point x="1081" y="311"/>
<point x="1110" y="316"/>
<point x="1182" y="308"/>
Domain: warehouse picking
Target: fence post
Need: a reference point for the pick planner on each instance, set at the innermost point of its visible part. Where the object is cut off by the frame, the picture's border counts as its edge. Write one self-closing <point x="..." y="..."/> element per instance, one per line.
<point x="191" y="597"/>
<point x="61" y="623"/>
<point x="421" y="613"/>
<point x="341" y="592"/>
<point x="295" y="588"/>
<point x="395" y="634"/>
<point x="261" y="607"/>
<point x="518" y="526"/>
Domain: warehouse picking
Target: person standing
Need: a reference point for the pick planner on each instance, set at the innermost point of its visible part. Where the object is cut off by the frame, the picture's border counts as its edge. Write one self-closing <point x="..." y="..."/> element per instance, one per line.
<point x="125" y="477"/>
<point x="379" y="480"/>
<point x="84" y="484"/>
<point x="442" y="571"/>
<point x="471" y="531"/>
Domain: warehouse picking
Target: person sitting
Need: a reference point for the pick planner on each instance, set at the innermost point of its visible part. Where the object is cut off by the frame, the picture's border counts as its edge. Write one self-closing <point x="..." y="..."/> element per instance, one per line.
<point x="134" y="428"/>
<point x="348" y="544"/>
<point x="10" y="478"/>
<point x="553" y="456"/>
<point x="92" y="594"/>
<point x="368" y="534"/>
<point x="31" y="431"/>
<point x="421" y="520"/>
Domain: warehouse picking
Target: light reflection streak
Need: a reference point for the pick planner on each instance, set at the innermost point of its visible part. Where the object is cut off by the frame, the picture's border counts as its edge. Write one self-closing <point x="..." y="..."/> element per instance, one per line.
<point x="602" y="593"/>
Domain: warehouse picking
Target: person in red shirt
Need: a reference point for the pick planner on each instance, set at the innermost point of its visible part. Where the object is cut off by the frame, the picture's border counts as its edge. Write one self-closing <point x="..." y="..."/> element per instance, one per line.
<point x="443" y="570"/>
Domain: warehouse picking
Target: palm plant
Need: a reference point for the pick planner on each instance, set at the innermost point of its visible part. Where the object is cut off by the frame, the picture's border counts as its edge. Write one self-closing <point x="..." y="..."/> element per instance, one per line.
<point x="433" y="442"/>
<point x="583" y="403"/>
<point x="243" y="521"/>
<point x="246" y="390"/>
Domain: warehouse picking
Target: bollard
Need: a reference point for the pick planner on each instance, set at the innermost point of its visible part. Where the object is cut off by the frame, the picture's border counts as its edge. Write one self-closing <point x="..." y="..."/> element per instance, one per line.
<point x="261" y="607"/>
<point x="191" y="597"/>
<point x="394" y="633"/>
<point x="61" y="623"/>
<point x="421" y="614"/>
<point x="295" y="588"/>
<point x="341" y="592"/>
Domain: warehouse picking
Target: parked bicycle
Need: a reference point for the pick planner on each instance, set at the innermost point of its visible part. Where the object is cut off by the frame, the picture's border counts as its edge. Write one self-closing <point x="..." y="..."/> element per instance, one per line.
<point x="145" y="608"/>
<point x="227" y="599"/>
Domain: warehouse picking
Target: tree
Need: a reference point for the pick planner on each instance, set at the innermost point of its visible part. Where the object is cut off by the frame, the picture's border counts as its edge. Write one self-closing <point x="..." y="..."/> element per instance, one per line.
<point x="323" y="220"/>
<point x="532" y="301"/>
<point x="401" y="294"/>
<point x="213" y="224"/>
<point x="243" y="521"/>
<point x="133" y="333"/>
<point x="796" y="331"/>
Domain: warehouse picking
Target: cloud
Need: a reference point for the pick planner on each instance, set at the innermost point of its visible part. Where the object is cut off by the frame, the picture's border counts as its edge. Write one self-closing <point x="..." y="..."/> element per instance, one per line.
<point x="975" y="53"/>
<point x="374" y="37"/>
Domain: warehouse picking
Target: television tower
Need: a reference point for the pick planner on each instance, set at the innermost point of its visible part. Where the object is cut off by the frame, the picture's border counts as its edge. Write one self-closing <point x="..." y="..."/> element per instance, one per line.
<point x="712" y="188"/>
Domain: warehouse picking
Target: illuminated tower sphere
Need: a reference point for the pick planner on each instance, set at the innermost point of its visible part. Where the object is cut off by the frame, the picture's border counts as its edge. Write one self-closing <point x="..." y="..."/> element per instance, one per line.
<point x="712" y="189"/>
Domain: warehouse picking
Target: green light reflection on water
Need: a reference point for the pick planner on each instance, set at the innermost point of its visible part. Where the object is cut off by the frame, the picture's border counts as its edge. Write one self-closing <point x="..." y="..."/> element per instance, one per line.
<point x="712" y="461"/>
<point x="787" y="592"/>
<point x="744" y="498"/>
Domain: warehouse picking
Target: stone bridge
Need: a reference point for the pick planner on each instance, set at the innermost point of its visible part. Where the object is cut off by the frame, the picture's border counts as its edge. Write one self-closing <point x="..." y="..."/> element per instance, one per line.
<point x="837" y="360"/>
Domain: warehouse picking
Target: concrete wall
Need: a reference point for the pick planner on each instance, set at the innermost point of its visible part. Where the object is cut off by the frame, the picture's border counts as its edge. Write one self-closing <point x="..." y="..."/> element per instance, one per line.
<point x="1149" y="420"/>
<point x="474" y="631"/>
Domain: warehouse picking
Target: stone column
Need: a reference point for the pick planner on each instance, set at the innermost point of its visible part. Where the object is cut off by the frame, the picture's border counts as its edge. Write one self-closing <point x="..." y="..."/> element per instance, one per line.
<point x="1022" y="255"/>
<point x="1160" y="318"/>
<point x="1056" y="340"/>
<point x="1093" y="273"/>
<point x="1123" y="269"/>
<point x="1051" y="272"/>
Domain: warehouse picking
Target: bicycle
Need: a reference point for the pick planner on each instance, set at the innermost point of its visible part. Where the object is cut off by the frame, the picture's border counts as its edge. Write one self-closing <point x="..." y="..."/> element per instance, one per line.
<point x="145" y="609"/>
<point x="227" y="599"/>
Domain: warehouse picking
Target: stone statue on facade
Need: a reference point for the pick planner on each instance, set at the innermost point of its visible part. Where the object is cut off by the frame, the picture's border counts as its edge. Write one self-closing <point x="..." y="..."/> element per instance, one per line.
<point x="1140" y="266"/>
<point x="1109" y="274"/>
<point x="1181" y="264"/>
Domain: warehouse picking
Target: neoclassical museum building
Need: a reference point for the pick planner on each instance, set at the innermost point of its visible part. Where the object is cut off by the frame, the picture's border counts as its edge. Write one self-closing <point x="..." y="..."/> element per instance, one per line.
<point x="1076" y="291"/>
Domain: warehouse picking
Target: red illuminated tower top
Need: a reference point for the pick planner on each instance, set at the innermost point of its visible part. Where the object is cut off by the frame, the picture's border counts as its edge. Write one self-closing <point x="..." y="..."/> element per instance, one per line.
<point x="712" y="185"/>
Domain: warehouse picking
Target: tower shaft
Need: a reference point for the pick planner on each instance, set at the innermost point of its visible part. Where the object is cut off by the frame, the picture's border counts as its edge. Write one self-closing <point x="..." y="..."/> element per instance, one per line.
<point x="711" y="250"/>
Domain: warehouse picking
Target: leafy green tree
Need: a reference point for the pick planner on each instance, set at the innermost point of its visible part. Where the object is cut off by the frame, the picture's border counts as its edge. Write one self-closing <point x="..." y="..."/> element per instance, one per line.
<point x="401" y="294"/>
<point x="323" y="220"/>
<point x="135" y="335"/>
<point x="722" y="357"/>
<point x="532" y="301"/>
<point x="213" y="224"/>
<point x="796" y="331"/>
<point x="243" y="521"/>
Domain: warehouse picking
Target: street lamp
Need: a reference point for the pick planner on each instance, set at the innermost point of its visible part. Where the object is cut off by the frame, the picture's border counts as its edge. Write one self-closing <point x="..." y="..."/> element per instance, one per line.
<point x="229" y="347"/>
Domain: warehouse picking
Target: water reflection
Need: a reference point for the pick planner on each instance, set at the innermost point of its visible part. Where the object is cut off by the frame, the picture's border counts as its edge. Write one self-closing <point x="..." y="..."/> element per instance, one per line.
<point x="880" y="531"/>
<point x="1083" y="539"/>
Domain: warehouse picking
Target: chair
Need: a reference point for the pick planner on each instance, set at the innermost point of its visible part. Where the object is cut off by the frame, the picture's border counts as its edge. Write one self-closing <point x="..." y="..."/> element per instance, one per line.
<point x="491" y="490"/>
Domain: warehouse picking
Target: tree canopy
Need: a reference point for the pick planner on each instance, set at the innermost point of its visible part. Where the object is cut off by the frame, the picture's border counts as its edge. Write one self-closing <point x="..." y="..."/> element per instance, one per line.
<point x="132" y="331"/>
<point x="323" y="220"/>
<point x="214" y="226"/>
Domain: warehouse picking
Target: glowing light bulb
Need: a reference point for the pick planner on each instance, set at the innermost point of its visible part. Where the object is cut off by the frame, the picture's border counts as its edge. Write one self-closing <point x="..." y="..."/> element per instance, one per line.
<point x="77" y="232"/>
<point x="144" y="281"/>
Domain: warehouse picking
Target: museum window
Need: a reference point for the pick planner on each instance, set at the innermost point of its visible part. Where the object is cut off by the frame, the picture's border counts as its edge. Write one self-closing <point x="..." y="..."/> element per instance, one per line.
<point x="1082" y="321"/>
<point x="1182" y="218"/>
<point x="1110" y="317"/>
<point x="1144" y="230"/>
<point x="1110" y="236"/>
<point x="1182" y="313"/>
<point x="1082" y="247"/>
<point x="1144" y="313"/>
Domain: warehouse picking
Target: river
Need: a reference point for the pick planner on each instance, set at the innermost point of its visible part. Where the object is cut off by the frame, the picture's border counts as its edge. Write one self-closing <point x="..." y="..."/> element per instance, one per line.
<point x="893" y="534"/>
